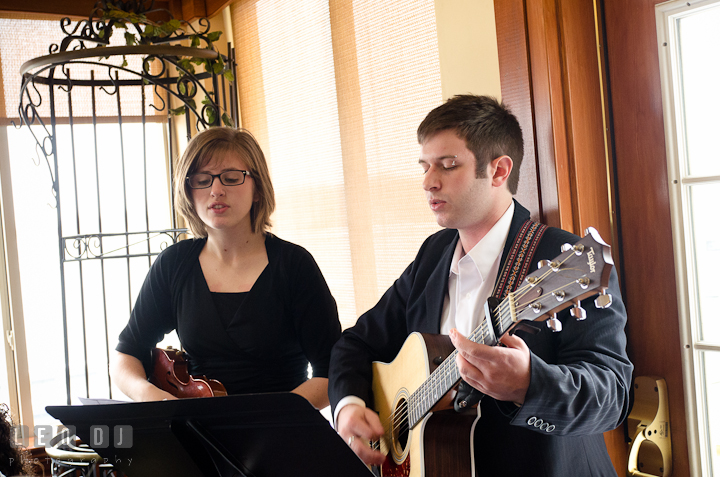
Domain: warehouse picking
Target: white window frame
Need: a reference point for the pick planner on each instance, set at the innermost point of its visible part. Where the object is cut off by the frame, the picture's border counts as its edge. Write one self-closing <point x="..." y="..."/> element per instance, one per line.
<point x="666" y="16"/>
<point x="16" y="345"/>
<point x="13" y="327"/>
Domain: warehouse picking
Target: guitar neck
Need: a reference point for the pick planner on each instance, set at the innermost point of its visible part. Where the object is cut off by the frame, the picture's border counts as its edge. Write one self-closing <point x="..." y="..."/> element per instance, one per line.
<point x="444" y="378"/>
<point x="580" y="271"/>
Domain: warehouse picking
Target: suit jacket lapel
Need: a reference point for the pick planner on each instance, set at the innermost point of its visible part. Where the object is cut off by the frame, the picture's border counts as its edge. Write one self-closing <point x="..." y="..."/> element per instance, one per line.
<point x="437" y="285"/>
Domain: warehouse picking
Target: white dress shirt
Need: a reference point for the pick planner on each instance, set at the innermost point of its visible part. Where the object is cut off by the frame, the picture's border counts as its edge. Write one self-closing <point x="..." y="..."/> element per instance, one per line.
<point x="470" y="283"/>
<point x="472" y="278"/>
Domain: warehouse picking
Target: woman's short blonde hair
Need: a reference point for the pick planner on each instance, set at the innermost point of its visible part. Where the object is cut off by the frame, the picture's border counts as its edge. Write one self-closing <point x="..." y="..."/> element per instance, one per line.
<point x="210" y="144"/>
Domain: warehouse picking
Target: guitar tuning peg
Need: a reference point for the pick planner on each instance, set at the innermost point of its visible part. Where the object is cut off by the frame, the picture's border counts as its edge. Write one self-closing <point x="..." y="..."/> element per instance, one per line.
<point x="554" y="324"/>
<point x="603" y="300"/>
<point x="565" y="247"/>
<point x="584" y="282"/>
<point x="543" y="263"/>
<point x="578" y="312"/>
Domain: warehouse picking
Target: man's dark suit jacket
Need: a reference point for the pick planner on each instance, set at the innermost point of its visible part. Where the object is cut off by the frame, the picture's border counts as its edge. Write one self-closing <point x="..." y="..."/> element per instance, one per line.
<point x="579" y="382"/>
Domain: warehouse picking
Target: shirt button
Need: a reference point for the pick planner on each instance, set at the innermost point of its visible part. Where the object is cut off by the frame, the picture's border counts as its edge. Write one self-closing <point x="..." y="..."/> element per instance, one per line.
<point x="544" y="426"/>
<point x="538" y="423"/>
<point x="550" y="428"/>
<point x="531" y="421"/>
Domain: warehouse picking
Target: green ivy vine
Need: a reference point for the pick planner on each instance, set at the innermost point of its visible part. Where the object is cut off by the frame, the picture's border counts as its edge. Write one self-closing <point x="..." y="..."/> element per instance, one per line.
<point x="139" y="30"/>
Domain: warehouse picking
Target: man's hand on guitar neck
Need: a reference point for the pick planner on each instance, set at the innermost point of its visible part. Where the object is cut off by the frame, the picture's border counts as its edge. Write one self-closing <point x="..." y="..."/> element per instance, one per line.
<point x="356" y="425"/>
<point x="500" y="372"/>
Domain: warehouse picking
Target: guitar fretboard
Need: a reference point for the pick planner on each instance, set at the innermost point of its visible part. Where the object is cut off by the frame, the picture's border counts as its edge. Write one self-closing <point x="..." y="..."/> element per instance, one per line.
<point x="445" y="376"/>
<point x="579" y="272"/>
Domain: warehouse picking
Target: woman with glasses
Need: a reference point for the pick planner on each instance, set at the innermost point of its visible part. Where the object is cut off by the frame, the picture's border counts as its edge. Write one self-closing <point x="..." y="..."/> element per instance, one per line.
<point x="251" y="309"/>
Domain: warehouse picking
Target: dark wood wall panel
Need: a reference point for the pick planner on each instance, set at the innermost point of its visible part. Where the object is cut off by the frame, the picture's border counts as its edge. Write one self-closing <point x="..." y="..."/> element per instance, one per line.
<point x="214" y="7"/>
<point x="642" y="193"/>
<point x="549" y="124"/>
<point x="81" y="8"/>
<point x="193" y="9"/>
<point x="551" y="79"/>
<point x="549" y="53"/>
<point x="517" y="94"/>
<point x="586" y="138"/>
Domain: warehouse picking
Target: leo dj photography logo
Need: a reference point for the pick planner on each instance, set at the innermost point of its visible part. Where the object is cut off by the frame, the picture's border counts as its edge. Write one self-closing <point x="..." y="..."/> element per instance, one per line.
<point x="101" y="437"/>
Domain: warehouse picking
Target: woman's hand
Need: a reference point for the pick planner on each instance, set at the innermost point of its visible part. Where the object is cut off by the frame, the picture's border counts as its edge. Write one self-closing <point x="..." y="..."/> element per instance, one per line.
<point x="154" y="393"/>
<point x="314" y="390"/>
<point x="128" y="374"/>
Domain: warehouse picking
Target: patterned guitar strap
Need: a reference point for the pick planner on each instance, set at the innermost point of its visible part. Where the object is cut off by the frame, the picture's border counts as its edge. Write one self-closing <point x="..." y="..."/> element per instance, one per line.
<point x="517" y="263"/>
<point x="516" y="267"/>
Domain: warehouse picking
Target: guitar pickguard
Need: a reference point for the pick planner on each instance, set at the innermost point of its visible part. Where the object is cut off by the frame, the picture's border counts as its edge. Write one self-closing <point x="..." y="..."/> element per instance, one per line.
<point x="391" y="469"/>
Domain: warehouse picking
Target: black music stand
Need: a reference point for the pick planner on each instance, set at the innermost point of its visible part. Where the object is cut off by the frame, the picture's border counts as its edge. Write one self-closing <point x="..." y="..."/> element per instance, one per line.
<point x="254" y="435"/>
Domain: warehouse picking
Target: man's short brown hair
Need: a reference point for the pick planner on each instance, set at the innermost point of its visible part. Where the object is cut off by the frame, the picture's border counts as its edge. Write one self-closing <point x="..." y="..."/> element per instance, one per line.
<point x="487" y="126"/>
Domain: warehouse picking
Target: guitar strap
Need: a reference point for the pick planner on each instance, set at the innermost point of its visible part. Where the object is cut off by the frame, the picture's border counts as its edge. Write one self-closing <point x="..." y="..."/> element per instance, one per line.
<point x="517" y="263"/>
<point x="516" y="267"/>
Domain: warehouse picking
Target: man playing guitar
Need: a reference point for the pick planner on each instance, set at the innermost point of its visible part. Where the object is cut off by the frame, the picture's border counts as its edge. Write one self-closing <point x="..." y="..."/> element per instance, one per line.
<point x="550" y="396"/>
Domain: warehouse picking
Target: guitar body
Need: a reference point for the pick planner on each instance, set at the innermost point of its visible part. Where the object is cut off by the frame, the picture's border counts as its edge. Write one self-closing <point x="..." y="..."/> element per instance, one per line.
<point x="414" y="393"/>
<point x="441" y="444"/>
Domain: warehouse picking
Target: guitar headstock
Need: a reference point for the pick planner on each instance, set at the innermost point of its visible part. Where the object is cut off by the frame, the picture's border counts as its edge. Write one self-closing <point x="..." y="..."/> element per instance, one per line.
<point x="580" y="271"/>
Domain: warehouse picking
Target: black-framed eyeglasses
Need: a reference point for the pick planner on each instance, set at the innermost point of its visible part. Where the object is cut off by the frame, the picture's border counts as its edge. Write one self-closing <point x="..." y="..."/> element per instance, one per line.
<point x="227" y="178"/>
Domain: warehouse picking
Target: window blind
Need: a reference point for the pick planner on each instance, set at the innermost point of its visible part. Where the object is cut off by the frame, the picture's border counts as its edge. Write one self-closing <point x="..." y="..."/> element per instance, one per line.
<point x="334" y="92"/>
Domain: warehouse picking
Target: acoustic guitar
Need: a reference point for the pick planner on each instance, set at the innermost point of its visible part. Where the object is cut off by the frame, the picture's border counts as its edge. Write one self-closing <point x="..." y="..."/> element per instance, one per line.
<point x="414" y="393"/>
<point x="170" y="374"/>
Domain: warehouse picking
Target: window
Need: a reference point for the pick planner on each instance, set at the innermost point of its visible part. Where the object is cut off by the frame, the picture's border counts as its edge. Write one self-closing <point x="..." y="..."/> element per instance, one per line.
<point x="334" y="92"/>
<point x="4" y="374"/>
<point x="689" y="44"/>
<point x="113" y="189"/>
<point x="94" y="200"/>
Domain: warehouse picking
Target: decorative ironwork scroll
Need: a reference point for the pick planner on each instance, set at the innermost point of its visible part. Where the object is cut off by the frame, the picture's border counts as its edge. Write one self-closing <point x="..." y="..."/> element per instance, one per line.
<point x="164" y="55"/>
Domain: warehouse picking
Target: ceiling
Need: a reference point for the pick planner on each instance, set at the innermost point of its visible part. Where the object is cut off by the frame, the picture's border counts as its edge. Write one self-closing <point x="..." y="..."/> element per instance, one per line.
<point x="187" y="10"/>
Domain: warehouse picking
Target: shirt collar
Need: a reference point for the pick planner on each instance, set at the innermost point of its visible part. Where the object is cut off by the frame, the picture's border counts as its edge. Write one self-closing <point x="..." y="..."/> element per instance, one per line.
<point x="488" y="249"/>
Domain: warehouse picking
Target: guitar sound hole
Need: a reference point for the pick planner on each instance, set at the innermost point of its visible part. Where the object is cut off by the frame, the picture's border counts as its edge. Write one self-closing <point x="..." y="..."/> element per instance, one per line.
<point x="401" y="430"/>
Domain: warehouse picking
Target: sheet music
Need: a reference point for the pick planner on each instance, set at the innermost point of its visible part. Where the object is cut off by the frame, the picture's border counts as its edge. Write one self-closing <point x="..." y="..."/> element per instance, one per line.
<point x="92" y="401"/>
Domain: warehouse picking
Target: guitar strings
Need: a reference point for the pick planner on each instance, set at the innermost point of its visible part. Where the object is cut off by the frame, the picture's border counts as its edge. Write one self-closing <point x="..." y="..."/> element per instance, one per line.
<point x="520" y="293"/>
<point x="498" y="313"/>
<point x="503" y="316"/>
<point x="446" y="368"/>
<point x="442" y="370"/>
<point x="398" y="419"/>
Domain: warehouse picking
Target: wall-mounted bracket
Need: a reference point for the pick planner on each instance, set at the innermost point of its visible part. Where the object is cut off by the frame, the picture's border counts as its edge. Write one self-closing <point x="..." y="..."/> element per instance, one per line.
<point x="649" y="420"/>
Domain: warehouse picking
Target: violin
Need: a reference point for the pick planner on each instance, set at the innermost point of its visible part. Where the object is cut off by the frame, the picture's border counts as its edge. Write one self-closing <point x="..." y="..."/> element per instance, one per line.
<point x="170" y="374"/>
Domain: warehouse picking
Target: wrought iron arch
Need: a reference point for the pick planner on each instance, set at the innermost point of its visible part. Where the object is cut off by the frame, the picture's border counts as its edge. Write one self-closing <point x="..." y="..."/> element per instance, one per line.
<point x="167" y="70"/>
